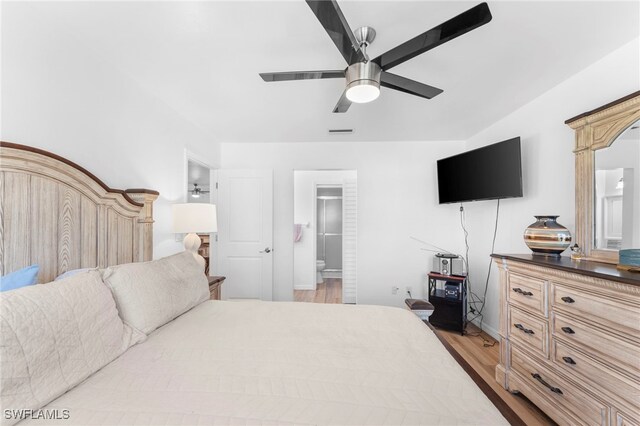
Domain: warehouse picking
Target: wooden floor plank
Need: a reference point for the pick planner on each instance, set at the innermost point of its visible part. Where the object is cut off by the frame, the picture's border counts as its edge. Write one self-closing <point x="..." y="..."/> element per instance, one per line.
<point x="328" y="292"/>
<point x="482" y="353"/>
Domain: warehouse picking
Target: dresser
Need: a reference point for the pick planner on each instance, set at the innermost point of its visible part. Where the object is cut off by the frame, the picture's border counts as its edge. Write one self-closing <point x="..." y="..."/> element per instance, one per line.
<point x="570" y="338"/>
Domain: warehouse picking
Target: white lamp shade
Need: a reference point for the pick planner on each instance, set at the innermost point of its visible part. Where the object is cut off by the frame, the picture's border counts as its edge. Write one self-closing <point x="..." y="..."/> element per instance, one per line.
<point x="194" y="217"/>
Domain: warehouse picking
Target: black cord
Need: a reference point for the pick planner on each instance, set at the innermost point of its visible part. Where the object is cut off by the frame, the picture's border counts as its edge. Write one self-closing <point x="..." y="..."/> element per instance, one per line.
<point x="493" y="245"/>
<point x="475" y="299"/>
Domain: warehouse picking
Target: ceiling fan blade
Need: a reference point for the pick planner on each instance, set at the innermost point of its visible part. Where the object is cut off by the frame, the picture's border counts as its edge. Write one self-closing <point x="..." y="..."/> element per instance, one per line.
<point x="447" y="31"/>
<point x="406" y="85"/>
<point x="343" y="104"/>
<point x="301" y="75"/>
<point x="330" y="16"/>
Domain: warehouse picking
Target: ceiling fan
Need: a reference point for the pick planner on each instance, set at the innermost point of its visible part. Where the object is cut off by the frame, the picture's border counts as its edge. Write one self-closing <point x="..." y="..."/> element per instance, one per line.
<point x="364" y="76"/>
<point x="197" y="191"/>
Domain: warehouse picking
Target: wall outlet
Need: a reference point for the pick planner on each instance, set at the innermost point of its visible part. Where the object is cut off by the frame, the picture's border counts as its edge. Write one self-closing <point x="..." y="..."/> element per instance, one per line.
<point x="408" y="290"/>
<point x="394" y="290"/>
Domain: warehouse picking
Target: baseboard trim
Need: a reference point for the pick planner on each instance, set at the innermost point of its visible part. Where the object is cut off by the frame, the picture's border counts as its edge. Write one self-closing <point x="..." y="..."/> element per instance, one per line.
<point x="304" y="287"/>
<point x="487" y="329"/>
<point x="331" y="274"/>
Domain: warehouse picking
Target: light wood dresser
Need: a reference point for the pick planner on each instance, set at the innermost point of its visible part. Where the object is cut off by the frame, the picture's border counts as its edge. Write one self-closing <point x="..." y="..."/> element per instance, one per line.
<point x="570" y="338"/>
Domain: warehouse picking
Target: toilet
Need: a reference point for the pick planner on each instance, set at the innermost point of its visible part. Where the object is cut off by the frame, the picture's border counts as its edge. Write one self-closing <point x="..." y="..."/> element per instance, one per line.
<point x="320" y="265"/>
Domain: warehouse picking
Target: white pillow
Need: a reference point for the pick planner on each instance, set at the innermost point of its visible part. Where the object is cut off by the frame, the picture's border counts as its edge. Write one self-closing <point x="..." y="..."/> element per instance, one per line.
<point x="150" y="294"/>
<point x="56" y="335"/>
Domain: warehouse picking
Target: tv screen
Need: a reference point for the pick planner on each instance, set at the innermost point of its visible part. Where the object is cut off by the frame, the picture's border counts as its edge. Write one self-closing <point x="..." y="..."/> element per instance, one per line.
<point x="487" y="173"/>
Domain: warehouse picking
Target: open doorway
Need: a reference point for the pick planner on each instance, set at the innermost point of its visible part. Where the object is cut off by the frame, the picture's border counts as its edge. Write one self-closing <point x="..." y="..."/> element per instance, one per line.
<point x="325" y="222"/>
<point x="200" y="187"/>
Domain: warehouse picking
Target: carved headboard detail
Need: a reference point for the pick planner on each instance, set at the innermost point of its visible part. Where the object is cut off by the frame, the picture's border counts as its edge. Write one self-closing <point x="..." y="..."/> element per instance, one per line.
<point x="58" y="215"/>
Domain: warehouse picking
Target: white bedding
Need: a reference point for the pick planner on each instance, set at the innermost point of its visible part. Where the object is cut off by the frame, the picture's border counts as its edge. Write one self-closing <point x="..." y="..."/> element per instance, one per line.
<point x="54" y="336"/>
<point x="282" y="363"/>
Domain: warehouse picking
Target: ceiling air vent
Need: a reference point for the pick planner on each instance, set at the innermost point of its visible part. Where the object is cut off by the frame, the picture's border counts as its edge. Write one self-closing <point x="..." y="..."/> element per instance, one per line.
<point x="340" y="131"/>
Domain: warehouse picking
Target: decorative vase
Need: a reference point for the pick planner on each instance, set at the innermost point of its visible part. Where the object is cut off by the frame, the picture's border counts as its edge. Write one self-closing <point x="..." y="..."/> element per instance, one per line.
<point x="546" y="237"/>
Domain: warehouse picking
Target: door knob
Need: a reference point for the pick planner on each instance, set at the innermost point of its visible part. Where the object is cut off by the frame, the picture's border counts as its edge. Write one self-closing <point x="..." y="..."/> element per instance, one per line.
<point x="266" y="250"/>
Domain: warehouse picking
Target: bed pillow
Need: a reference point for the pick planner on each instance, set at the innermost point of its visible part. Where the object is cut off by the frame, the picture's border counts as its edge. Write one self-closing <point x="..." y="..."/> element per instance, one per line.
<point x="21" y="278"/>
<point x="71" y="273"/>
<point x="150" y="294"/>
<point x="56" y="335"/>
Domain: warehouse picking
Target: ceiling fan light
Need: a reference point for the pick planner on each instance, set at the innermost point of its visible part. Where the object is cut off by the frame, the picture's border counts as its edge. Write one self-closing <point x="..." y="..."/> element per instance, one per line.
<point x="363" y="91"/>
<point x="195" y="192"/>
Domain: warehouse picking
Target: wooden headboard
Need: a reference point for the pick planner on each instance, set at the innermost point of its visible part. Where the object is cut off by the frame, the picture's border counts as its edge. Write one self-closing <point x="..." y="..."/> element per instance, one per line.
<point x="56" y="214"/>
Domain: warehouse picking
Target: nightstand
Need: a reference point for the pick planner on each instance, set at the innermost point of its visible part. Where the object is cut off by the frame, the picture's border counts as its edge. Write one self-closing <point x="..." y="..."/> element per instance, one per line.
<point x="215" y="284"/>
<point x="448" y="295"/>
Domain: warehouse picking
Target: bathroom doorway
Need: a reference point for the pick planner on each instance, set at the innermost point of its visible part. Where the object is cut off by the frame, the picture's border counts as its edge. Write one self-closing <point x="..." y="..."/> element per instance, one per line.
<point x="325" y="223"/>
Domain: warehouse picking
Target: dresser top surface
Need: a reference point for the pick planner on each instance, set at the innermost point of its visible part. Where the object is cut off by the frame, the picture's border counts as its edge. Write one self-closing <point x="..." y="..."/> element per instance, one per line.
<point x="582" y="267"/>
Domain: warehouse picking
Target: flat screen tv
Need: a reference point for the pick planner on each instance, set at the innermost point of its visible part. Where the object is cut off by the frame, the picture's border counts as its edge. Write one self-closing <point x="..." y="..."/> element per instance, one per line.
<point x="487" y="173"/>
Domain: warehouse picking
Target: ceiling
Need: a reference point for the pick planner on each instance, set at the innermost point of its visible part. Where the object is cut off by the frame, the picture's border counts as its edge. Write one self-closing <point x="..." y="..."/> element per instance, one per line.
<point x="203" y="59"/>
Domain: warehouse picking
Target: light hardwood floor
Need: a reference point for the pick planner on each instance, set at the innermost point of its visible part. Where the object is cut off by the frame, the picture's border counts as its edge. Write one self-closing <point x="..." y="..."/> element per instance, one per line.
<point x="329" y="292"/>
<point x="483" y="359"/>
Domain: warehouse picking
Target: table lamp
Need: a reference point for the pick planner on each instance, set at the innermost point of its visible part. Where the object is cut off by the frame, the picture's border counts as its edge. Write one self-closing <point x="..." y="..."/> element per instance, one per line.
<point x="189" y="218"/>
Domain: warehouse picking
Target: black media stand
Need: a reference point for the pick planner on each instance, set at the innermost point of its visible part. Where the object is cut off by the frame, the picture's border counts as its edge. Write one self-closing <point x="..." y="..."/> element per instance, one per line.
<point x="448" y="295"/>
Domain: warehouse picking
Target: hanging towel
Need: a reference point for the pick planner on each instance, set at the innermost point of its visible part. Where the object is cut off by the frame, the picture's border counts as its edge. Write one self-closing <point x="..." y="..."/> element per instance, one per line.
<point x="297" y="232"/>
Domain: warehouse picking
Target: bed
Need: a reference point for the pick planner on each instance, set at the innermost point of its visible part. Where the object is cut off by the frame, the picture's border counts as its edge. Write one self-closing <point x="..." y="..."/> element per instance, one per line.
<point x="236" y="362"/>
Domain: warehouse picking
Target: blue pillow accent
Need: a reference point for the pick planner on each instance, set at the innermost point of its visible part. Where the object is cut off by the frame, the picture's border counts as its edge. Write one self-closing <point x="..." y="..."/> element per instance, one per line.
<point x="22" y="278"/>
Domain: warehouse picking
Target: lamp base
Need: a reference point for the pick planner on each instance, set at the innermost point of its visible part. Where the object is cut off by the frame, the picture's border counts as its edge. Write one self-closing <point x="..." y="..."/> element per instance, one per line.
<point x="192" y="244"/>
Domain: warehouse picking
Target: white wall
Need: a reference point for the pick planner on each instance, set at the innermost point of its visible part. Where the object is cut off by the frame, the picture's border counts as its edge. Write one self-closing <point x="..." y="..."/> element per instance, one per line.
<point x="548" y="161"/>
<point x="304" y="211"/>
<point x="58" y="97"/>
<point x="397" y="198"/>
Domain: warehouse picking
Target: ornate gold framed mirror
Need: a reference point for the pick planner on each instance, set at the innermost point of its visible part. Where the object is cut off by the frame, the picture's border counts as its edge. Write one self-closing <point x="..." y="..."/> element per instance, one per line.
<point x="607" y="155"/>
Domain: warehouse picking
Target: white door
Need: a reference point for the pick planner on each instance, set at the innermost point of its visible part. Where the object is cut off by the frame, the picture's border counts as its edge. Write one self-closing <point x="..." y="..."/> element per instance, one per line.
<point x="245" y="233"/>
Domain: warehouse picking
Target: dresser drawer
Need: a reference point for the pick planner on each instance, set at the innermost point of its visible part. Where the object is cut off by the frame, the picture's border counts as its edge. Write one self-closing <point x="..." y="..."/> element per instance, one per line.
<point x="601" y="309"/>
<point x="613" y="350"/>
<point x="587" y="408"/>
<point x="547" y="405"/>
<point x="528" y="292"/>
<point x="529" y="331"/>
<point x="573" y="362"/>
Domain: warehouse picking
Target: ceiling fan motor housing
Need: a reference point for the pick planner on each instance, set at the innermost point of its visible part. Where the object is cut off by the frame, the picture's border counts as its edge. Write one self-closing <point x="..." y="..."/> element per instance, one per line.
<point x="362" y="73"/>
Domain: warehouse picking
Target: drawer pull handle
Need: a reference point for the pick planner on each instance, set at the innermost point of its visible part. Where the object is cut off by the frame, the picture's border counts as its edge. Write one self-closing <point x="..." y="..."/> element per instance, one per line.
<point x="568" y="330"/>
<point x="522" y="292"/>
<point x="541" y="380"/>
<point x="567" y="299"/>
<point x="568" y="360"/>
<point x="521" y="328"/>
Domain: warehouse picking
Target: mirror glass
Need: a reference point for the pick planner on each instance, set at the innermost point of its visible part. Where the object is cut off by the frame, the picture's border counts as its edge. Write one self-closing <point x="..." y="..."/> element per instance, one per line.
<point x="617" y="193"/>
